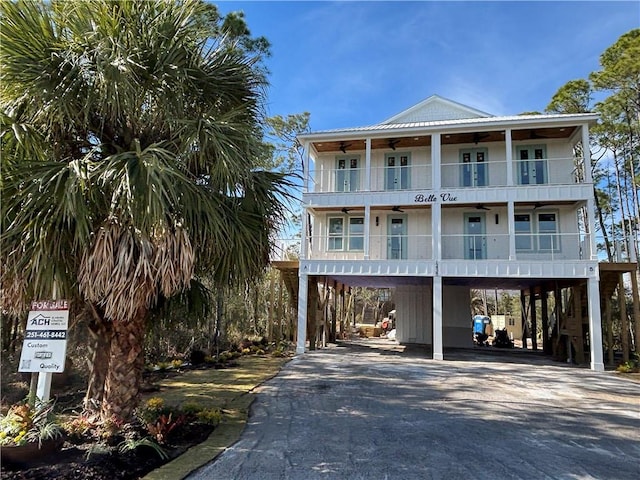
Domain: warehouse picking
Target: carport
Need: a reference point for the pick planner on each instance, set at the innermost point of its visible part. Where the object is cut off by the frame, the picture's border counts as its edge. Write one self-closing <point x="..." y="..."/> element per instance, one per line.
<point x="560" y="306"/>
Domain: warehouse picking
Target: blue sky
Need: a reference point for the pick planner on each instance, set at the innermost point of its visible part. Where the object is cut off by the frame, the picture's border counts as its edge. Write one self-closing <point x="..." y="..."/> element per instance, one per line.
<point x="358" y="63"/>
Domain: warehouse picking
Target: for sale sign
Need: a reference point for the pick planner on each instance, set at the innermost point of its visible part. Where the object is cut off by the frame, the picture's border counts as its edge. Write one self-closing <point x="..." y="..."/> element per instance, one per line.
<point x="45" y="340"/>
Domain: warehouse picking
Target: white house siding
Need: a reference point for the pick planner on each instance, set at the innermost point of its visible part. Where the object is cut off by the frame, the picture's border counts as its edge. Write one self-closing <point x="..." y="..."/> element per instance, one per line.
<point x="413" y="310"/>
<point x="439" y="200"/>
<point x="456" y="324"/>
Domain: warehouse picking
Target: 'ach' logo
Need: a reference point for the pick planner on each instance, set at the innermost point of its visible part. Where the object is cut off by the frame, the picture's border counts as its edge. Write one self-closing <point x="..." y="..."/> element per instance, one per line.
<point x="40" y="320"/>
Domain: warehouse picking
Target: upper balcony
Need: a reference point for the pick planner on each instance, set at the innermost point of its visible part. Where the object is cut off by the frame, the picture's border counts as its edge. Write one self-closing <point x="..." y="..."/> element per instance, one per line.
<point x="557" y="170"/>
<point x="479" y="153"/>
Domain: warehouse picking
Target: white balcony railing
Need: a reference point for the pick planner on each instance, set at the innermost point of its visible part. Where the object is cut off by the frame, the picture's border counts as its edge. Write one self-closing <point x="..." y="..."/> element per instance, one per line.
<point x="285" y="249"/>
<point x="381" y="247"/>
<point x="474" y="175"/>
<point x="546" y="171"/>
<point x="542" y="246"/>
<point x="529" y="247"/>
<point x="411" y="177"/>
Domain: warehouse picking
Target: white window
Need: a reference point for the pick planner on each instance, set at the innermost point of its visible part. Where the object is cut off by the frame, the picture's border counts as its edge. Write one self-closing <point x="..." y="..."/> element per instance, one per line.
<point x="336" y="231"/>
<point x="524" y="242"/>
<point x="351" y="239"/>
<point x="539" y="237"/>
<point x="548" y="240"/>
<point x="356" y="233"/>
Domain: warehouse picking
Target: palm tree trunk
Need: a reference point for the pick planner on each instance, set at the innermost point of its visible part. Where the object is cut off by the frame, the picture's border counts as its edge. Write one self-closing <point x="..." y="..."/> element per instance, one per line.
<point x="122" y="388"/>
<point x="101" y="333"/>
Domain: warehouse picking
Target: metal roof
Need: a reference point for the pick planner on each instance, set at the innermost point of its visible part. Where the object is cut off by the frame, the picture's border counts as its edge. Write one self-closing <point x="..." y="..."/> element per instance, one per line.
<point x="460" y="123"/>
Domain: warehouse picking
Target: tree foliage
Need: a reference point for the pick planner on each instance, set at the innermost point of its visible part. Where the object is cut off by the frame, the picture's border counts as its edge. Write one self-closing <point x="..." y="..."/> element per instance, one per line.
<point x="617" y="85"/>
<point x="131" y="153"/>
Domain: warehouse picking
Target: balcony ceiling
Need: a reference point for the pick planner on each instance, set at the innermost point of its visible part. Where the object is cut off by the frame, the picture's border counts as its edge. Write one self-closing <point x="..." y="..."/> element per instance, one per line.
<point x="410" y="142"/>
<point x="479" y="283"/>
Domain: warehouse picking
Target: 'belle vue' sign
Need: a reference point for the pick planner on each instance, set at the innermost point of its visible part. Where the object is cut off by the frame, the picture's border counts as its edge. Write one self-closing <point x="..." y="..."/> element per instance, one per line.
<point x="433" y="198"/>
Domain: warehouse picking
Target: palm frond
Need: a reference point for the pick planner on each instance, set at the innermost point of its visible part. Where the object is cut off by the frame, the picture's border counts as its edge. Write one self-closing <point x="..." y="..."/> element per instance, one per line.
<point x="130" y="140"/>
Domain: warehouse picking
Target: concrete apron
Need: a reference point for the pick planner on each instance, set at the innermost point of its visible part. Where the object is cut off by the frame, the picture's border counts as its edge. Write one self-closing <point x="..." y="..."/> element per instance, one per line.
<point x="359" y="412"/>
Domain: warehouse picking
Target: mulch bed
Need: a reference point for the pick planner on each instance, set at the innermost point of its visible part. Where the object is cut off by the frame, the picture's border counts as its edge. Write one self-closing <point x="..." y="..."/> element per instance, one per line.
<point x="71" y="461"/>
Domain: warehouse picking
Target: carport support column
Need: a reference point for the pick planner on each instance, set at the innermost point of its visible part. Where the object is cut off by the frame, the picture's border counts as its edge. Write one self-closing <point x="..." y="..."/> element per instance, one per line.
<point x="437" y="318"/>
<point x="303" y="293"/>
<point x="595" y="324"/>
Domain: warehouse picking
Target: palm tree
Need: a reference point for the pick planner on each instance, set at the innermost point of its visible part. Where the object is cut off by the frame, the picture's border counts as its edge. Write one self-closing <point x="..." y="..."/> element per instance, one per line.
<point x="130" y="141"/>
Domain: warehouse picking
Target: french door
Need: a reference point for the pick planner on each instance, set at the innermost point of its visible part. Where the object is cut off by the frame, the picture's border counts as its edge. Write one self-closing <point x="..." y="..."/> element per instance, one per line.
<point x="475" y="240"/>
<point x="397" y="237"/>
<point x="532" y="165"/>
<point x="397" y="172"/>
<point x="347" y="174"/>
<point x="474" y="169"/>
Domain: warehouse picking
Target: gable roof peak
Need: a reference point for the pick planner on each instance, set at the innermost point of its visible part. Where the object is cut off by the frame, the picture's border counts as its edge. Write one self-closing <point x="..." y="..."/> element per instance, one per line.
<point x="436" y="108"/>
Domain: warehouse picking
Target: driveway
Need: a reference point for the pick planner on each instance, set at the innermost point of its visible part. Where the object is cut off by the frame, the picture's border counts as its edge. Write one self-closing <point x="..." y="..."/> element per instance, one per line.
<point x="355" y="412"/>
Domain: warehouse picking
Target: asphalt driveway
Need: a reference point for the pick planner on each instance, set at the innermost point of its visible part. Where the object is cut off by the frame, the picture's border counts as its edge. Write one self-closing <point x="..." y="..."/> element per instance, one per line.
<point x="355" y="412"/>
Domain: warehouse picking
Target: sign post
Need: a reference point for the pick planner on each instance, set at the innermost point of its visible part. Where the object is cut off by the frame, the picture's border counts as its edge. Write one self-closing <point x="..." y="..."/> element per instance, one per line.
<point x="45" y="343"/>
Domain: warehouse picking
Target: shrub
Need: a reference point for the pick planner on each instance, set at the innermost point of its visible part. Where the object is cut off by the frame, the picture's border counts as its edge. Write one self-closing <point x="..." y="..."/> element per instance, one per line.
<point x="162" y="366"/>
<point x="152" y="409"/>
<point x="210" y="416"/>
<point x="163" y="426"/>
<point x="192" y="408"/>
<point x="130" y="444"/>
<point x="632" y="366"/>
<point x="24" y="424"/>
<point x="81" y="427"/>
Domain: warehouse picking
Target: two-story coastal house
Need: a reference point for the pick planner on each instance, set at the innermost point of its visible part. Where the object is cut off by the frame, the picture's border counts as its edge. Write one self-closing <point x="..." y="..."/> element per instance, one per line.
<point x="443" y="198"/>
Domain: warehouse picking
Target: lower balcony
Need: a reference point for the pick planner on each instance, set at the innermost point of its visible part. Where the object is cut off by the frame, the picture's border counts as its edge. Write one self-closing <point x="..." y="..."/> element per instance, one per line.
<point x="398" y="248"/>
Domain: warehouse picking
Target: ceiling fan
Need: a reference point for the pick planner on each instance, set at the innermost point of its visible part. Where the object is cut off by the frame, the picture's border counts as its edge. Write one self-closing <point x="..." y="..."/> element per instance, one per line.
<point x="480" y="136"/>
<point x="397" y="209"/>
<point x="534" y="135"/>
<point x="481" y="206"/>
<point x="343" y="147"/>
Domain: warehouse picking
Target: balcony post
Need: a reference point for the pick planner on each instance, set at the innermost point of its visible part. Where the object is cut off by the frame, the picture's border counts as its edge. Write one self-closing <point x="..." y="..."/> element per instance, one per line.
<point x="435" y="161"/>
<point x="595" y="323"/>
<point x="436" y="244"/>
<point x="437" y="318"/>
<point x="511" y="216"/>
<point x="591" y="219"/>
<point x="367" y="230"/>
<point x="305" y="173"/>
<point x="304" y="237"/>
<point x="586" y="154"/>
<point x="509" y="156"/>
<point x="303" y="287"/>
<point x="367" y="165"/>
